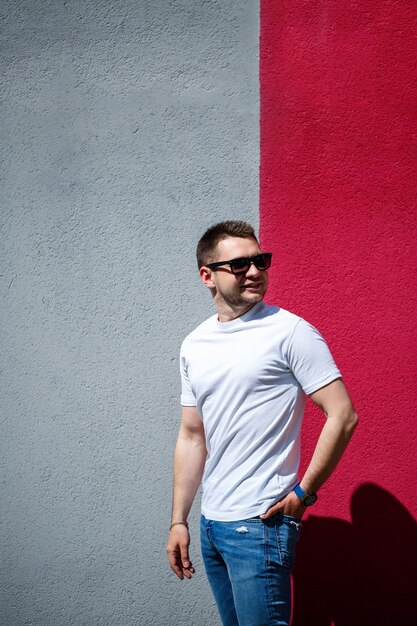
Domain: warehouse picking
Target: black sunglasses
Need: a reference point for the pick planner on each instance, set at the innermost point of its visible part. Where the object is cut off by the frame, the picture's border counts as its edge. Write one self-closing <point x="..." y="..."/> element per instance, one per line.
<point x="242" y="264"/>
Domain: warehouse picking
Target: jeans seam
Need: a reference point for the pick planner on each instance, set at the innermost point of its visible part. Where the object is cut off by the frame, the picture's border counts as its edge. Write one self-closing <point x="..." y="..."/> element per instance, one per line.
<point x="279" y="544"/>
<point x="267" y="532"/>
<point x="267" y="562"/>
<point x="207" y="532"/>
<point x="266" y="544"/>
<point x="208" y="536"/>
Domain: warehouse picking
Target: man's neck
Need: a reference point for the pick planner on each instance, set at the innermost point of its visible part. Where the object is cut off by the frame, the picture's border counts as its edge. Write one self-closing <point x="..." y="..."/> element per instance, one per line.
<point x="227" y="313"/>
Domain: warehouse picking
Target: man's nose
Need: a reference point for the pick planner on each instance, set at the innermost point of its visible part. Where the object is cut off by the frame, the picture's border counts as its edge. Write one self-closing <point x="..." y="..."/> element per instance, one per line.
<point x="253" y="270"/>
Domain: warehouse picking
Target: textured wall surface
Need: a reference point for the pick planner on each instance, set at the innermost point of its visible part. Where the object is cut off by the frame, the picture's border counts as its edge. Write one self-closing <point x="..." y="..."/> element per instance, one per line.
<point x="338" y="210"/>
<point x="127" y="128"/>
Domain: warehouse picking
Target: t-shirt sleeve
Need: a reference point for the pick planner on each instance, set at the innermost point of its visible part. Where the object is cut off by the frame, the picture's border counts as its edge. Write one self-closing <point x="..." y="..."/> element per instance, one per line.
<point x="187" y="394"/>
<point x="310" y="359"/>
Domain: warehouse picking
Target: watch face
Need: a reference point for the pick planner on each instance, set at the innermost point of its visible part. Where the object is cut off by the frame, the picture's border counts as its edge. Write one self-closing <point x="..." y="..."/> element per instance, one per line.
<point x="310" y="499"/>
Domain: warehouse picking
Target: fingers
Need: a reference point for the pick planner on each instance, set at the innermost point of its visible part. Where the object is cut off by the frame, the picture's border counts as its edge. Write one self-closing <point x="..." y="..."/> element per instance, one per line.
<point x="289" y="505"/>
<point x="188" y="571"/>
<point x="185" y="560"/>
<point x="273" y="510"/>
<point x="177" y="566"/>
<point x="278" y="507"/>
<point x="178" y="557"/>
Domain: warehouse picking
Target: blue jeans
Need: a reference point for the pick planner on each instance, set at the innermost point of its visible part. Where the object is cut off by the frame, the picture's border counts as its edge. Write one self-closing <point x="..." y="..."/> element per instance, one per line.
<point x="248" y="565"/>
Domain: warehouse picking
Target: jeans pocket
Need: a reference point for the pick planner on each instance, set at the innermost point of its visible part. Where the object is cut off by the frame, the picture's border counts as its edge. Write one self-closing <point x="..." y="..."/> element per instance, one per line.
<point x="287" y="530"/>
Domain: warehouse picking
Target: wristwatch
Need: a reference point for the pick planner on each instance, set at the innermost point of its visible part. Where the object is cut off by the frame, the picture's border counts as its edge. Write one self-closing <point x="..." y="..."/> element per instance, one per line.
<point x="306" y="497"/>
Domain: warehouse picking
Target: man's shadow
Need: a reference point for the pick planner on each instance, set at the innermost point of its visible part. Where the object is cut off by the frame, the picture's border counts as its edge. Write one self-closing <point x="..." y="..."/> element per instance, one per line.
<point x="362" y="573"/>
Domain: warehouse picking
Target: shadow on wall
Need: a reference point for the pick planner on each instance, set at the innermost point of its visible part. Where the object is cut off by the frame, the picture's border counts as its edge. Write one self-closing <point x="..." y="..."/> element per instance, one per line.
<point x="362" y="573"/>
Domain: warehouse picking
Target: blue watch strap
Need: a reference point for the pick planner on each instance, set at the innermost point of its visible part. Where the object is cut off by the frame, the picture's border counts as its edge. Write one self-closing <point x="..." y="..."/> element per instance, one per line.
<point x="299" y="491"/>
<point x="306" y="498"/>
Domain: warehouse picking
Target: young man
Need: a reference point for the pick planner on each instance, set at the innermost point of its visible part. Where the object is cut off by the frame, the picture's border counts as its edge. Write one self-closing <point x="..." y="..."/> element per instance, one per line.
<point x="246" y="373"/>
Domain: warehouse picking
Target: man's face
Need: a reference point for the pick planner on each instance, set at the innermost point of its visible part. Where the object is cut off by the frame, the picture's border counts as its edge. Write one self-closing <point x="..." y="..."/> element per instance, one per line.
<point x="238" y="290"/>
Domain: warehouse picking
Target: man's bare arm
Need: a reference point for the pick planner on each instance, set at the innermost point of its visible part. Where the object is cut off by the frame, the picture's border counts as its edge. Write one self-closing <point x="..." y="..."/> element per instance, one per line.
<point x="189" y="459"/>
<point x="341" y="420"/>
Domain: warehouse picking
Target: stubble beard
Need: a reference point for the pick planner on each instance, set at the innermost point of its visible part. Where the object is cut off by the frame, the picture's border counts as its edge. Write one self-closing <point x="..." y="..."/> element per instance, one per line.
<point x="239" y="299"/>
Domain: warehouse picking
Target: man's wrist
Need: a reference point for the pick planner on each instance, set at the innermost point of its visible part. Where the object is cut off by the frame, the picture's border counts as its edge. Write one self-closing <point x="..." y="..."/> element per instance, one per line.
<point x="307" y="498"/>
<point x="178" y="523"/>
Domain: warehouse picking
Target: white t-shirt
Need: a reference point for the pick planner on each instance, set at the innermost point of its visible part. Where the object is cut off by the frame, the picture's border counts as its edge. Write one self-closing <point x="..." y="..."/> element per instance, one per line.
<point x="248" y="379"/>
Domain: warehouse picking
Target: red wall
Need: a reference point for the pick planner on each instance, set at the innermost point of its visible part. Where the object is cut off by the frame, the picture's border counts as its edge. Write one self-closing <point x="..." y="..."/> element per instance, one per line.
<point x="337" y="200"/>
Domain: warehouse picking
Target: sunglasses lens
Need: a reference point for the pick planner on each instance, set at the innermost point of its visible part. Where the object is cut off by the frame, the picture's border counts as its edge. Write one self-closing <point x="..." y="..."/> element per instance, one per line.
<point x="239" y="266"/>
<point x="263" y="261"/>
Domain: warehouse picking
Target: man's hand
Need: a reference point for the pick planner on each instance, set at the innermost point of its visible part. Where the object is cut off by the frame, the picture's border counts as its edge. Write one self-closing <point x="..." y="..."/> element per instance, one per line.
<point x="177" y="551"/>
<point x="290" y="505"/>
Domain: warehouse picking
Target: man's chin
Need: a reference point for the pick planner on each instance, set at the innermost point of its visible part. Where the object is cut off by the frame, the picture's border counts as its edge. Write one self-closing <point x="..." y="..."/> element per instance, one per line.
<point x="244" y="298"/>
<point x="252" y="297"/>
<point x="256" y="292"/>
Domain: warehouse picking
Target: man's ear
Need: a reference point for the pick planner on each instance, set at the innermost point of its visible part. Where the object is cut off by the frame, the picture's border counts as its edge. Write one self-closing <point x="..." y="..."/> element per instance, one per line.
<point x="206" y="276"/>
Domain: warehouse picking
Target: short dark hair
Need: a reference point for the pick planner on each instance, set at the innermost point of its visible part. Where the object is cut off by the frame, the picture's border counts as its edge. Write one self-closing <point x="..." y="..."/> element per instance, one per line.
<point x="213" y="235"/>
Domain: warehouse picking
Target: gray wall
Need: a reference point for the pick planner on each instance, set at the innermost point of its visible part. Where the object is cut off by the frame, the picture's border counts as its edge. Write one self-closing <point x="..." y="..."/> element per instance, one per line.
<point x="128" y="128"/>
